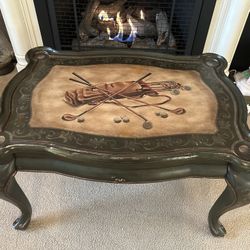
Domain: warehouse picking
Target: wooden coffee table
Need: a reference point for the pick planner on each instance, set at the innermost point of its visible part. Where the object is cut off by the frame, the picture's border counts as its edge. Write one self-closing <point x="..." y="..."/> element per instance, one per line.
<point x="125" y="116"/>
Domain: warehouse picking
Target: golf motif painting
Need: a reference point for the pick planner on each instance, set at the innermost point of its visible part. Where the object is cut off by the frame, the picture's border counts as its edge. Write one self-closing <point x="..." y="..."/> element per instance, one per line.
<point x="96" y="95"/>
<point x="123" y="100"/>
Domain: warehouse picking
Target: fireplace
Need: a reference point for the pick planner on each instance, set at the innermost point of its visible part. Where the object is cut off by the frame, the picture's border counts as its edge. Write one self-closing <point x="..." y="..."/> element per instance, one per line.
<point x="173" y="26"/>
<point x="21" y="20"/>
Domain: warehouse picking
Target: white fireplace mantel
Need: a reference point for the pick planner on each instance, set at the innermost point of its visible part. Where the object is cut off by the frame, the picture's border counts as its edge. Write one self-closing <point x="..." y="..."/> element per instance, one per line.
<point x="22" y="26"/>
<point x="226" y="26"/>
<point x="227" y="23"/>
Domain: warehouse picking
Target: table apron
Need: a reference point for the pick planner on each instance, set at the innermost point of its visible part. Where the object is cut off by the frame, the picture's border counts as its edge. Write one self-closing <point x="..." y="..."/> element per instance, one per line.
<point x="116" y="174"/>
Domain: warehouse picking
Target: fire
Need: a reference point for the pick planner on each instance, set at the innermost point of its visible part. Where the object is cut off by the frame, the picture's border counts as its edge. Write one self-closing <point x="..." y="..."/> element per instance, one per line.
<point x="119" y="36"/>
<point x="119" y="21"/>
<point x="103" y="16"/>
<point x="108" y="31"/>
<point x="133" y="32"/>
<point x="142" y="15"/>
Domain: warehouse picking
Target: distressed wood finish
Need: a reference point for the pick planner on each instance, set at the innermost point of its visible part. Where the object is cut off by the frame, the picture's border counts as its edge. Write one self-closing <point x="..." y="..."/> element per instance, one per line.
<point x="225" y="154"/>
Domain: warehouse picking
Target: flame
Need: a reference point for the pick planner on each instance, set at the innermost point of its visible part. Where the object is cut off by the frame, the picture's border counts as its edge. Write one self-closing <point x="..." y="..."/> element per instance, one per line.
<point x="119" y="36"/>
<point x="108" y="31"/>
<point x="133" y="32"/>
<point x="142" y="15"/>
<point x="103" y="16"/>
<point x="119" y="21"/>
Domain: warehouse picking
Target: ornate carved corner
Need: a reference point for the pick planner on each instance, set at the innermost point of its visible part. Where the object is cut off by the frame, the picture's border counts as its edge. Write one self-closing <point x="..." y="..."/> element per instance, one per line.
<point x="242" y="149"/>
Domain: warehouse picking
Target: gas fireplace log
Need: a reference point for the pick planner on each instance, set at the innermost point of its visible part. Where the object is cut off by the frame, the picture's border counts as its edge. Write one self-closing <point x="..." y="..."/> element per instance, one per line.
<point x="140" y="13"/>
<point x="144" y="27"/>
<point x="112" y="8"/>
<point x="171" y="42"/>
<point x="85" y="28"/>
<point x="163" y="29"/>
<point x="102" y="26"/>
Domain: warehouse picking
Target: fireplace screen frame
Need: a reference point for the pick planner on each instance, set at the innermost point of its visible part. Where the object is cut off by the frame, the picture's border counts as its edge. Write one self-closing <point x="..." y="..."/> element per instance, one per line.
<point x="198" y="28"/>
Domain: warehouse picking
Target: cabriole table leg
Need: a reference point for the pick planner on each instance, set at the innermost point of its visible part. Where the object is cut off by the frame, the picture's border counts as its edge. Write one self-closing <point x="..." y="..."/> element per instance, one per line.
<point x="11" y="192"/>
<point x="236" y="194"/>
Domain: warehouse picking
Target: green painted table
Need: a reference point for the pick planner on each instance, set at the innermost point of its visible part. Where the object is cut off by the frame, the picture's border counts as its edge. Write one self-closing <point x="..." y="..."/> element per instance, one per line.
<point x="125" y="116"/>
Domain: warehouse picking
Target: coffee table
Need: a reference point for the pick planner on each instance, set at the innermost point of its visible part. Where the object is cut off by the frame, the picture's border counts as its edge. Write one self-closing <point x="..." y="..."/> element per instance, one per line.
<point x="125" y="116"/>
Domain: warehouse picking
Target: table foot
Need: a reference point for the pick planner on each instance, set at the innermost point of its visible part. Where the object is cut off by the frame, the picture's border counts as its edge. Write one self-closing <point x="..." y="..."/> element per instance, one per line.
<point x="22" y="222"/>
<point x="236" y="194"/>
<point x="11" y="192"/>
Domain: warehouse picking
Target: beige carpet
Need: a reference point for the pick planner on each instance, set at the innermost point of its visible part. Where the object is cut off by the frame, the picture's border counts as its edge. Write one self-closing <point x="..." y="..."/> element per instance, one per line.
<point x="69" y="213"/>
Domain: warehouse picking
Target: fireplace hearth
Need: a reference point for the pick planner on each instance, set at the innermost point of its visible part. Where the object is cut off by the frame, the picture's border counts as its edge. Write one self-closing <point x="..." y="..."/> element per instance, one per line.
<point x="173" y="26"/>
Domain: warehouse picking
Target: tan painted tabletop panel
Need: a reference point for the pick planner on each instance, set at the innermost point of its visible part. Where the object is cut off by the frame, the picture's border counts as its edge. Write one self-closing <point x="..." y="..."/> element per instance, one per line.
<point x="48" y="105"/>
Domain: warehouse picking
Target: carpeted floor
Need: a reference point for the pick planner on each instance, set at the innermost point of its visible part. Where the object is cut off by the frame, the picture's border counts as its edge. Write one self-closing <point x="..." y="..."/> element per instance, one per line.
<point x="69" y="213"/>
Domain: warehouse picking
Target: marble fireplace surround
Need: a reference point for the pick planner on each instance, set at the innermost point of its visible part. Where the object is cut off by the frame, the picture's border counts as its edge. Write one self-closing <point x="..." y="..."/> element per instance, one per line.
<point x="226" y="26"/>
